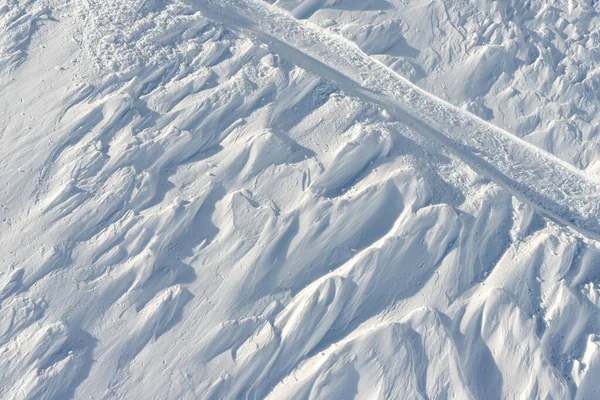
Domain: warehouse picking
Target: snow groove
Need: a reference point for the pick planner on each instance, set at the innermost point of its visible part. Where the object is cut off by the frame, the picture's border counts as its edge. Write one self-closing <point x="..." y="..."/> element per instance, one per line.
<point x="556" y="189"/>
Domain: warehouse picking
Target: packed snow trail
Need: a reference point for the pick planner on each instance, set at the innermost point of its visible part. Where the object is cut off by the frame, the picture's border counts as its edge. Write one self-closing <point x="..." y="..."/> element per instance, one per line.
<point x="557" y="189"/>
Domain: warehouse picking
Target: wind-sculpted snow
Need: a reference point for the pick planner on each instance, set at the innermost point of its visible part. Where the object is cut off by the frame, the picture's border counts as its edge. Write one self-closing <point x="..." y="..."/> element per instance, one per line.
<point x="527" y="66"/>
<point x="194" y="210"/>
<point x="558" y="189"/>
<point x="18" y="22"/>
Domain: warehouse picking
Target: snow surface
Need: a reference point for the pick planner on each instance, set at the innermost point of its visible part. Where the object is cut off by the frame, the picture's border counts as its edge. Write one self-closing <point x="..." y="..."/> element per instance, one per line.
<point x="225" y="199"/>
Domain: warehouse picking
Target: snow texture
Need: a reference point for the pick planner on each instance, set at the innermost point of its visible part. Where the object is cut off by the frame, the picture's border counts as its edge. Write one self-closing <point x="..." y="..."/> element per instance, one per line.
<point x="226" y="199"/>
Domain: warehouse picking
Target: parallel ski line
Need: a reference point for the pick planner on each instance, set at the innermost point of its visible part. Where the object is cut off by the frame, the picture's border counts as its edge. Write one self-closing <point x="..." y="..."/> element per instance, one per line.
<point x="554" y="187"/>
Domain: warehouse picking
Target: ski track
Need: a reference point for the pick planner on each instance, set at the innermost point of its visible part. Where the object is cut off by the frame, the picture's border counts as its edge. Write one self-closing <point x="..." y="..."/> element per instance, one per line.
<point x="555" y="188"/>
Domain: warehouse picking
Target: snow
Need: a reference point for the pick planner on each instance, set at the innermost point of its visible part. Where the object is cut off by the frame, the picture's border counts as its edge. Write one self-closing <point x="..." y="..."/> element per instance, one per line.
<point x="224" y="199"/>
<point x="529" y="67"/>
<point x="514" y="163"/>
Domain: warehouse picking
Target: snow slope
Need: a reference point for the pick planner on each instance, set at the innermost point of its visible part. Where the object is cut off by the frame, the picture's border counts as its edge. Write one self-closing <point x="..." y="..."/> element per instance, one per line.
<point x="528" y="66"/>
<point x="554" y="187"/>
<point x="215" y="199"/>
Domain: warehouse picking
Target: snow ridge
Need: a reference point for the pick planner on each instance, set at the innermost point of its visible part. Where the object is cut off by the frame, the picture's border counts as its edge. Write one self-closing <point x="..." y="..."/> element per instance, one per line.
<point x="557" y="189"/>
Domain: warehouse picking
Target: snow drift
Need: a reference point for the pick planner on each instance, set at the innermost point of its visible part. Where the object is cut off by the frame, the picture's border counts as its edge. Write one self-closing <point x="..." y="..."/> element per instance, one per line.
<point x="224" y="200"/>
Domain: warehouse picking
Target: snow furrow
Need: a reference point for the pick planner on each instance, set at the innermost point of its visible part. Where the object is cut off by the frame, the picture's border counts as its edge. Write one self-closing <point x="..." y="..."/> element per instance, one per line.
<point x="555" y="188"/>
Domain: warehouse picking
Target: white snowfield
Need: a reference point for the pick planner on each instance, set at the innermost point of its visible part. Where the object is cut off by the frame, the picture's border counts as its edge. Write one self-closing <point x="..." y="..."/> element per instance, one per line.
<point x="552" y="186"/>
<point x="216" y="200"/>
